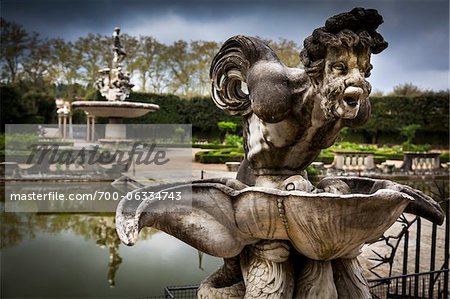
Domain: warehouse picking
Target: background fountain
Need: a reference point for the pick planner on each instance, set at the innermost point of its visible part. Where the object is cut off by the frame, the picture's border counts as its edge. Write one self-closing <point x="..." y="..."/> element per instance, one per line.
<point x="115" y="86"/>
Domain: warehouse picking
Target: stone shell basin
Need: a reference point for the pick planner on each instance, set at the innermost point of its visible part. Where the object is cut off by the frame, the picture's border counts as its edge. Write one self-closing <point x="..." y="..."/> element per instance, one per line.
<point x="115" y="109"/>
<point x="221" y="221"/>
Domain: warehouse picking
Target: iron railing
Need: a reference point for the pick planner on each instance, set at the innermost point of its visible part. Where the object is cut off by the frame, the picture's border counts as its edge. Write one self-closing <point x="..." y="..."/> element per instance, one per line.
<point x="429" y="285"/>
<point x="181" y="292"/>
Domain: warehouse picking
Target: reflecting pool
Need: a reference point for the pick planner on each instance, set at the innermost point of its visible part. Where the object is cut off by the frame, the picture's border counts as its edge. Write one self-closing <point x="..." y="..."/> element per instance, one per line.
<point x="80" y="256"/>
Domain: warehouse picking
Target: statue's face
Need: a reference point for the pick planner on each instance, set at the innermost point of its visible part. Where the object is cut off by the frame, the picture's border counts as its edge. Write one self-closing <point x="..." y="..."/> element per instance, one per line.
<point x="344" y="85"/>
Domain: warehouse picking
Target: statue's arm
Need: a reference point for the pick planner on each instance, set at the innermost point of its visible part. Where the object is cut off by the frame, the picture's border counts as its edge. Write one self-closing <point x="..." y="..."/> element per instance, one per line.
<point x="270" y="91"/>
<point x="270" y="84"/>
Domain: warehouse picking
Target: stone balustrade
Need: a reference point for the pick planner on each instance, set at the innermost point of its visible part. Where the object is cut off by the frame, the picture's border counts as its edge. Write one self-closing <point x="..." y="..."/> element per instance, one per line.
<point x="419" y="161"/>
<point x="353" y="161"/>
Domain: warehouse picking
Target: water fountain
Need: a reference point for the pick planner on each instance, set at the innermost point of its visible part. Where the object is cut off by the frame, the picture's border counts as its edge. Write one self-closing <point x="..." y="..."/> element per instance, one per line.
<point x="280" y="236"/>
<point x="115" y="86"/>
<point x="47" y="157"/>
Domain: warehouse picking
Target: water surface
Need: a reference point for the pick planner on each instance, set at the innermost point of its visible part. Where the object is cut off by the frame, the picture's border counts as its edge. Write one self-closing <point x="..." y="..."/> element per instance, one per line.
<point x="80" y="256"/>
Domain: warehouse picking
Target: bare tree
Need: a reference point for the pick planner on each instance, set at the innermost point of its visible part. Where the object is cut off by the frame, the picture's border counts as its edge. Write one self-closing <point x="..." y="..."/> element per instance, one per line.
<point x="179" y="61"/>
<point x="202" y="53"/>
<point x="37" y="66"/>
<point x="67" y="62"/>
<point x="147" y="55"/>
<point x="14" y="42"/>
<point x="288" y="51"/>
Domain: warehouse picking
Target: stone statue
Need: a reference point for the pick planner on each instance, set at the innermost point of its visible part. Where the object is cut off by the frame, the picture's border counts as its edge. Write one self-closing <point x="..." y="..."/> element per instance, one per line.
<point x="114" y="84"/>
<point x="119" y="51"/>
<point x="280" y="236"/>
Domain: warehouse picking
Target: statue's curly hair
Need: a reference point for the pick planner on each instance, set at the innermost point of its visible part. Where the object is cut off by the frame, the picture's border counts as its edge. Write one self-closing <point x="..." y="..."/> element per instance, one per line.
<point x="354" y="28"/>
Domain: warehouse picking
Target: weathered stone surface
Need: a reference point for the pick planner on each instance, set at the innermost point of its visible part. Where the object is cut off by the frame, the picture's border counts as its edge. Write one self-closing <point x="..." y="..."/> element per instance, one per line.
<point x="291" y="114"/>
<point x="280" y="235"/>
<point x="115" y="109"/>
<point x="115" y="84"/>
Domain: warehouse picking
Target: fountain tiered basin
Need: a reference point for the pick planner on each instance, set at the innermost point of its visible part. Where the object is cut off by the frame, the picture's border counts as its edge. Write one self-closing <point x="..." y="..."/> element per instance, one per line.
<point x="115" y="109"/>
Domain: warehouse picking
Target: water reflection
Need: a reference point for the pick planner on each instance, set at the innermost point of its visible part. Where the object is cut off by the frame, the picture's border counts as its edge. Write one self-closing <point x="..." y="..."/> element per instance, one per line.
<point x="80" y="256"/>
<point x="106" y="237"/>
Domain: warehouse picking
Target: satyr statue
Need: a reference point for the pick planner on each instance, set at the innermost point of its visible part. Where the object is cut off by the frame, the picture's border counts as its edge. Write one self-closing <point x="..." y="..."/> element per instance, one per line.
<point x="114" y="84"/>
<point x="280" y="236"/>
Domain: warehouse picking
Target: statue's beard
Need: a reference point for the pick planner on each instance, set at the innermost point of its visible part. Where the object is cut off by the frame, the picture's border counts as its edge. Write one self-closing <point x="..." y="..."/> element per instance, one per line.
<point x="339" y="101"/>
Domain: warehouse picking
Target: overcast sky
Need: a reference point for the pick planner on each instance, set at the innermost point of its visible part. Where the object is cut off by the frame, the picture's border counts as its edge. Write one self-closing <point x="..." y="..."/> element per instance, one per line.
<point x="417" y="31"/>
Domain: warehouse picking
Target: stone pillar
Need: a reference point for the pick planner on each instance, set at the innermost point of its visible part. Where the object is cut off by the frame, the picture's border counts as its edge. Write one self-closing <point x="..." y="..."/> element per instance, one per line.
<point x="70" y="127"/>
<point x="62" y="125"/>
<point x="64" y="134"/>
<point x="59" y="123"/>
<point x="90" y="128"/>
<point x="115" y="129"/>
<point x="339" y="161"/>
<point x="369" y="162"/>
<point x="420" y="161"/>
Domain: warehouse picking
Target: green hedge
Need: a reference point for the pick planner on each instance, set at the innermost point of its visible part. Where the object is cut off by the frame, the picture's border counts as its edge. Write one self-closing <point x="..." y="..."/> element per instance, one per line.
<point x="389" y="114"/>
<point x="326" y="156"/>
<point x="444" y="157"/>
<point x="325" y="159"/>
<point x="388" y="117"/>
<point x="220" y="156"/>
<point x="201" y="112"/>
<point x="54" y="143"/>
<point x="209" y="146"/>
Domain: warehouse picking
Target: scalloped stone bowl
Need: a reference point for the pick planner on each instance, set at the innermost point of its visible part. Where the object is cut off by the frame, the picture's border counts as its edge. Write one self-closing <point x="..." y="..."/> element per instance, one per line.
<point x="221" y="220"/>
<point x="321" y="226"/>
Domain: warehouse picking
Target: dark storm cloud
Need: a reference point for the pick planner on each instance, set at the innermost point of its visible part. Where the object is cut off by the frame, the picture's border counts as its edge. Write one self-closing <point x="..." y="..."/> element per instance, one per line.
<point x="417" y="31"/>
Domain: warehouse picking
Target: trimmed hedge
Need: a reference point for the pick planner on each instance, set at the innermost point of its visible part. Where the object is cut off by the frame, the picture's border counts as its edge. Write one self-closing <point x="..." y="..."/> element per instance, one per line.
<point x="54" y="143"/>
<point x="389" y="115"/>
<point x="220" y="156"/>
<point x="326" y="156"/>
<point x="444" y="157"/>
<point x="201" y="112"/>
<point x="209" y="146"/>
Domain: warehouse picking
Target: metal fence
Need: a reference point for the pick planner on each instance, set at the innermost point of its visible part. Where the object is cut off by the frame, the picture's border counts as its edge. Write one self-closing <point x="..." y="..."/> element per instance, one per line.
<point x="181" y="292"/>
<point x="419" y="285"/>
<point x="414" y="282"/>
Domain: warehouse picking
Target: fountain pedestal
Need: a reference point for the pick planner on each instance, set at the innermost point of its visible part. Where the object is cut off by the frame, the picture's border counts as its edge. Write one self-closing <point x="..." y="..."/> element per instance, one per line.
<point x="115" y="129"/>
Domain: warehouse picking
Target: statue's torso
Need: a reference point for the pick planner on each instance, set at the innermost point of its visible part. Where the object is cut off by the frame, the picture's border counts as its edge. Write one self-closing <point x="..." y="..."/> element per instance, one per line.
<point x="290" y="145"/>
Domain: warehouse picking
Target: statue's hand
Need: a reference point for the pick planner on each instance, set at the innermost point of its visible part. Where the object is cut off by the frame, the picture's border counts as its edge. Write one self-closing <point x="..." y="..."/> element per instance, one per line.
<point x="423" y="205"/>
